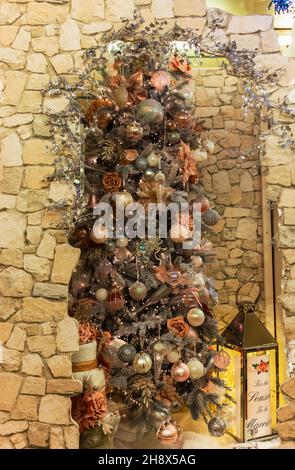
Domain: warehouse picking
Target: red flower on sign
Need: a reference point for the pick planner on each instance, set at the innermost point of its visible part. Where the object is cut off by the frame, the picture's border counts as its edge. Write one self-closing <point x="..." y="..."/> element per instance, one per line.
<point x="261" y="367"/>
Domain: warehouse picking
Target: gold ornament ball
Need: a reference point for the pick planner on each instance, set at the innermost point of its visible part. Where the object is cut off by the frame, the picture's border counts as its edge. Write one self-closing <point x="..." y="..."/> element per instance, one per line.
<point x="159" y="347"/>
<point x="122" y="242"/>
<point x="173" y="356"/>
<point x="101" y="294"/>
<point x="123" y="199"/>
<point x="142" y="363"/>
<point x="153" y="160"/>
<point x="195" y="317"/>
<point x="196" y="369"/>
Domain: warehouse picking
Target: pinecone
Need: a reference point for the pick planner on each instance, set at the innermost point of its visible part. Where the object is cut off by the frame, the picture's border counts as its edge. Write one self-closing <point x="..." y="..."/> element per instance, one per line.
<point x="108" y="152"/>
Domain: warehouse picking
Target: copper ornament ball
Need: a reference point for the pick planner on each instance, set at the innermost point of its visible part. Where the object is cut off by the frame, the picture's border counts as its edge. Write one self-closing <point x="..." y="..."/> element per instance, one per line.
<point x="115" y="300"/>
<point x="168" y="433"/>
<point x="221" y="360"/>
<point x="180" y="372"/>
<point x="151" y="111"/>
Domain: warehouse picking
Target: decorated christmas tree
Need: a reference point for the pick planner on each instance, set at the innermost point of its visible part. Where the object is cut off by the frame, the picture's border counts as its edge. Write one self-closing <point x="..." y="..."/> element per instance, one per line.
<point x="141" y="296"/>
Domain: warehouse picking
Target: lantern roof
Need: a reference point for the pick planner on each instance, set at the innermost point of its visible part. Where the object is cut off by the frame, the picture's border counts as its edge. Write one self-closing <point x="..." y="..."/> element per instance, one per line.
<point x="247" y="332"/>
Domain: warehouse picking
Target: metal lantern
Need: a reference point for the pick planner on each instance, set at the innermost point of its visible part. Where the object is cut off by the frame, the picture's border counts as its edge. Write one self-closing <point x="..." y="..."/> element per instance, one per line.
<point x="252" y="373"/>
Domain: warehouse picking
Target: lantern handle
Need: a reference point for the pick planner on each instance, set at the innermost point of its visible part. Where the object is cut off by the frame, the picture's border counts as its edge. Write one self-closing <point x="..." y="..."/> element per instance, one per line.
<point x="251" y="280"/>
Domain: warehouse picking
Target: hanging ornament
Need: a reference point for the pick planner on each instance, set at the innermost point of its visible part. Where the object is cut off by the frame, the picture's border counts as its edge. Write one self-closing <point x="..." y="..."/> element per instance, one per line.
<point x="173" y="356"/>
<point x="159" y="350"/>
<point x="179" y="233"/>
<point x="197" y="262"/>
<point x="121" y="96"/>
<point x="210" y="217"/>
<point x="141" y="164"/>
<point x="127" y="353"/>
<point x="182" y="118"/>
<point x="190" y="298"/>
<point x="186" y="94"/>
<point x="205" y="206"/>
<point x="180" y="372"/>
<point x="138" y="291"/>
<point x="173" y="137"/>
<point x="149" y="174"/>
<point x="151" y="111"/>
<point x="160" y="79"/>
<point x="168" y="433"/>
<point x="134" y="131"/>
<point x="130" y="155"/>
<point x="216" y="427"/>
<point x="101" y="295"/>
<point x="142" y="363"/>
<point x="221" y="360"/>
<point x="209" y="145"/>
<point x="123" y="199"/>
<point x="109" y="354"/>
<point x="122" y="242"/>
<point x="204" y="294"/>
<point x="99" y="234"/>
<point x="196" y="369"/>
<point x="109" y="246"/>
<point x="170" y="125"/>
<point x="92" y="201"/>
<point x="115" y="300"/>
<point x="153" y="160"/>
<point x="199" y="155"/>
<point x="196" y="317"/>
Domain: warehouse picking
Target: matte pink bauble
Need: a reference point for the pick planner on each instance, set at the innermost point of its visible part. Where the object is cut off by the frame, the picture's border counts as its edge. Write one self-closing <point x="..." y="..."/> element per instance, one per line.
<point x="180" y="372"/>
<point x="159" y="80"/>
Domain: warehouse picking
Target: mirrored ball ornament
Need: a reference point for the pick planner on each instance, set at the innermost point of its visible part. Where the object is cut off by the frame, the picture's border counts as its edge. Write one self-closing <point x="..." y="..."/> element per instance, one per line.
<point x="127" y="353"/>
<point x="141" y="164"/>
<point x="196" y="317"/>
<point x="151" y="111"/>
<point x="196" y="369"/>
<point x="216" y="427"/>
<point x="138" y="291"/>
<point x="210" y="217"/>
<point x="149" y="174"/>
<point x="142" y="363"/>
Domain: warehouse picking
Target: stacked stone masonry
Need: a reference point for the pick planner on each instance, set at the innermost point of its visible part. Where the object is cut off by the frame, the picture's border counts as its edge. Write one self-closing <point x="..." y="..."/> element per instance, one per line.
<point x="38" y="40"/>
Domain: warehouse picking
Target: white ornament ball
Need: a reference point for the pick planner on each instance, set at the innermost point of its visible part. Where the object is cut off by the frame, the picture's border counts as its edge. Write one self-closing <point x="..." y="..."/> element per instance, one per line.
<point x="153" y="160"/>
<point x="101" y="294"/>
<point x="209" y="145"/>
<point x="173" y="356"/>
<point x="199" y="155"/>
<point x="196" y="317"/>
<point x="196" y="369"/>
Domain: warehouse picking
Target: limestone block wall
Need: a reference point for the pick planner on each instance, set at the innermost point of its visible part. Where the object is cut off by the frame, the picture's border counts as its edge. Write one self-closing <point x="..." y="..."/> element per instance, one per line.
<point x="232" y="181"/>
<point x="38" y="40"/>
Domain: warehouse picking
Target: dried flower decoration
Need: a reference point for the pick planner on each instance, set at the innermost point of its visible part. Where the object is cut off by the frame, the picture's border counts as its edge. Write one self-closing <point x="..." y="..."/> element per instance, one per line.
<point x="87" y="333"/>
<point x="178" y="326"/>
<point x="112" y="182"/>
<point x="180" y="64"/>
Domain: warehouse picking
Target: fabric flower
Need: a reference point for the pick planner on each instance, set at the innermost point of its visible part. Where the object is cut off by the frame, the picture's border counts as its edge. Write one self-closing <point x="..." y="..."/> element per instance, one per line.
<point x="178" y="326"/>
<point x="112" y="182"/>
<point x="189" y="167"/>
<point x="87" y="333"/>
<point x="89" y="409"/>
<point x="179" y="64"/>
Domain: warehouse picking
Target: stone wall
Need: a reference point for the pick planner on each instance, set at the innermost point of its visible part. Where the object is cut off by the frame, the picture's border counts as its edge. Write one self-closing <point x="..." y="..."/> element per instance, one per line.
<point x="232" y="181"/>
<point x="40" y="39"/>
